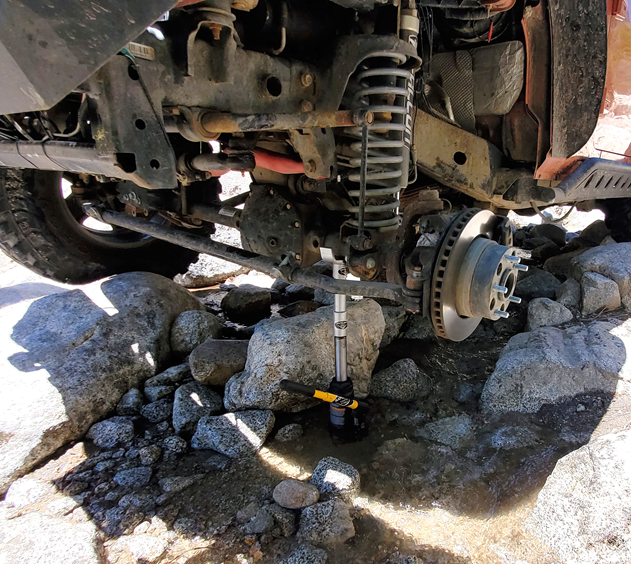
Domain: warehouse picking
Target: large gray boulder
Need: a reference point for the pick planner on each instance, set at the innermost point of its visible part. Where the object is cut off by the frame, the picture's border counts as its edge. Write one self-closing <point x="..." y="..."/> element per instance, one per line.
<point x="301" y="349"/>
<point x="612" y="261"/>
<point x="68" y="358"/>
<point x="582" y="512"/>
<point x="550" y="365"/>
<point x="35" y="538"/>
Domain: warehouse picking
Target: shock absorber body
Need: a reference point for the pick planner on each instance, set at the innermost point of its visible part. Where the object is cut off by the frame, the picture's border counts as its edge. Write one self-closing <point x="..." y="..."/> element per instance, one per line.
<point x="381" y="155"/>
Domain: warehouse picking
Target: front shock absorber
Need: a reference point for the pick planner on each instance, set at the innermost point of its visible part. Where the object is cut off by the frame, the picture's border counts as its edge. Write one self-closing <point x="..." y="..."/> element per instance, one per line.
<point x="381" y="157"/>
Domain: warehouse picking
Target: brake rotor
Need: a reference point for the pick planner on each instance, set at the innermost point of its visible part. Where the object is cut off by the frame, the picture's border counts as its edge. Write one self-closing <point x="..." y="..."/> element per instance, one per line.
<point x="473" y="277"/>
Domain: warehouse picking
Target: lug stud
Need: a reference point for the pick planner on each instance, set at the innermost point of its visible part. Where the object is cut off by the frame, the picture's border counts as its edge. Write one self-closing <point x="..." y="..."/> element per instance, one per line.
<point x="514" y="299"/>
<point x="512" y="258"/>
<point x="501" y="313"/>
<point x="521" y="267"/>
<point x="500" y="289"/>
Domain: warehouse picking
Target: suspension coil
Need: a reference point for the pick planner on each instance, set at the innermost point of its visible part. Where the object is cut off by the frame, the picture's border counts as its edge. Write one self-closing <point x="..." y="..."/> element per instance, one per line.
<point x="381" y="155"/>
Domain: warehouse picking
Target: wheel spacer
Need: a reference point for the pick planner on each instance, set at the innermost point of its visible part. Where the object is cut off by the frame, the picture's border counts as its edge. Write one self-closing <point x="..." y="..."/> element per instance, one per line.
<point x="454" y="274"/>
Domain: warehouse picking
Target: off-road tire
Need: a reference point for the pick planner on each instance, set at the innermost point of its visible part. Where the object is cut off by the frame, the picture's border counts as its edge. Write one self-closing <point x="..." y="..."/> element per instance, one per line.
<point x="38" y="231"/>
<point x="618" y="219"/>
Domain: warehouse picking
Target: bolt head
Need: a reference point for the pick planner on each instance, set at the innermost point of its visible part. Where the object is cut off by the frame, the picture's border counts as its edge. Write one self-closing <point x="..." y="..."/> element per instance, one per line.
<point x="306" y="106"/>
<point x="297" y="224"/>
<point x="370" y="263"/>
<point x="306" y="79"/>
<point x="310" y="166"/>
<point x="298" y="257"/>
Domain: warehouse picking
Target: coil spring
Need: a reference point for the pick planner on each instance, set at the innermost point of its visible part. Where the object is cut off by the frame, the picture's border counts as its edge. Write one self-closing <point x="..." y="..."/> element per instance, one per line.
<point x="385" y="89"/>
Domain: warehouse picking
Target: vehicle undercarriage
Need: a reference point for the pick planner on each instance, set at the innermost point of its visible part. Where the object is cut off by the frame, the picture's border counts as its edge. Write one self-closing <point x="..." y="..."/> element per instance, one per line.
<point x="394" y="136"/>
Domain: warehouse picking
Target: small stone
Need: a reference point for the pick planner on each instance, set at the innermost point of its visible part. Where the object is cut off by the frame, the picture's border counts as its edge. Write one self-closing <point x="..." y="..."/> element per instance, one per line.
<point x="248" y="512"/>
<point x="247" y="304"/>
<point x="569" y="294"/>
<point x="175" y="444"/>
<point x="284" y="519"/>
<point x="76" y="487"/>
<point x="158" y="411"/>
<point x="403" y="381"/>
<point x="453" y="431"/>
<point x="216" y="462"/>
<point x="594" y="233"/>
<point x="580" y="407"/>
<point x="279" y="285"/>
<point x="543" y="312"/>
<point x="149" y="455"/>
<point x="466" y="392"/>
<point x="335" y="478"/>
<point x="294" y="494"/>
<point x="554" y="233"/>
<point x="192" y="402"/>
<point x="609" y="240"/>
<point x="599" y="293"/>
<point x="306" y="554"/>
<point x="403" y="559"/>
<point x="130" y="403"/>
<point x="328" y="523"/>
<point x="299" y="308"/>
<point x="544" y="252"/>
<point x="169" y="377"/>
<point x="323" y="297"/>
<point x="134" y="477"/>
<point x="191" y="328"/>
<point x="420" y="328"/>
<point x="562" y="266"/>
<point x="118" y="521"/>
<point x="537" y="284"/>
<point x="296" y="292"/>
<point x="234" y="434"/>
<point x="215" y="362"/>
<point x="186" y="526"/>
<point x="105" y="465"/>
<point x="142" y="501"/>
<point x="155" y="393"/>
<point x="176" y="484"/>
<point x="262" y="522"/>
<point x="113" y="432"/>
<point x="291" y="432"/>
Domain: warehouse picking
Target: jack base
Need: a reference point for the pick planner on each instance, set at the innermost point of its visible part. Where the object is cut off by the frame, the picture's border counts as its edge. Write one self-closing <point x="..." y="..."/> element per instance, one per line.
<point x="346" y="425"/>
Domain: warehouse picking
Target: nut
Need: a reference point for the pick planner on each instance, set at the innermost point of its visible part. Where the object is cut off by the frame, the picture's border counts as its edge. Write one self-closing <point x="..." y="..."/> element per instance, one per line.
<point x="306" y="79"/>
<point x="370" y="263"/>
